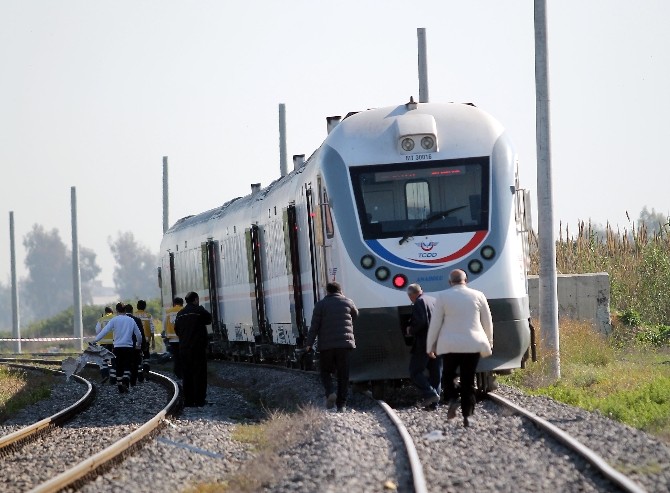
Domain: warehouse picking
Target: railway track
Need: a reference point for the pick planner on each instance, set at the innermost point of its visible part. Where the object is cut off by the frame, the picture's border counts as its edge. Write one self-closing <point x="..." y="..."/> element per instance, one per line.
<point x="612" y="475"/>
<point x="360" y="450"/>
<point x="508" y="449"/>
<point x="88" y="438"/>
<point x="26" y="433"/>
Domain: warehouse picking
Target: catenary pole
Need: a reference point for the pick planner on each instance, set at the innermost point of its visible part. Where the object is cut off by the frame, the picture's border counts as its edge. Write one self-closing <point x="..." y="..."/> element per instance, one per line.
<point x="166" y="223"/>
<point x="16" y="329"/>
<point x="546" y="235"/>
<point x="423" y="65"/>
<point x="283" y="167"/>
<point x="76" y="273"/>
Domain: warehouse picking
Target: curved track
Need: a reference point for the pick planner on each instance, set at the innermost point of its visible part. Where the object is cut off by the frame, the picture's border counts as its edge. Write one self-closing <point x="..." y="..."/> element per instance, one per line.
<point x="418" y="477"/>
<point x="612" y="475"/>
<point x="27" y="432"/>
<point x="499" y="449"/>
<point x="84" y="431"/>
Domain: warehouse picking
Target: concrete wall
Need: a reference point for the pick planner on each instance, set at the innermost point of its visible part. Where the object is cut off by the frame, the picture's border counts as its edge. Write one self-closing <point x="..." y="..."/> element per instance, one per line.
<point x="580" y="297"/>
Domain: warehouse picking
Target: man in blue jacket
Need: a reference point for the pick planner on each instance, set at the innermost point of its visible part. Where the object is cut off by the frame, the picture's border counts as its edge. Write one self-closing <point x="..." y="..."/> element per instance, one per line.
<point x="422" y="309"/>
<point x="333" y="323"/>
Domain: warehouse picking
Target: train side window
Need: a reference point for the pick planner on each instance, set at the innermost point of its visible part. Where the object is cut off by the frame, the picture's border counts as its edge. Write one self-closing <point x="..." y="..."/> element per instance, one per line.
<point x="417" y="197"/>
<point x="328" y="216"/>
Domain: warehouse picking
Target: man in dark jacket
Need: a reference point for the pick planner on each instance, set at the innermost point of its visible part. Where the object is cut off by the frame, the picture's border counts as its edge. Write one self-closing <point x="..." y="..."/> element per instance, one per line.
<point x="191" y="328"/>
<point x="333" y="323"/>
<point x="422" y="309"/>
<point x="136" y="372"/>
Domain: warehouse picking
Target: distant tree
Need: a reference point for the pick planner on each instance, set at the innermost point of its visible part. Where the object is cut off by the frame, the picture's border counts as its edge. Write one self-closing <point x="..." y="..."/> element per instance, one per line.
<point x="48" y="287"/>
<point x="135" y="271"/>
<point x="6" y="301"/>
<point x="653" y="221"/>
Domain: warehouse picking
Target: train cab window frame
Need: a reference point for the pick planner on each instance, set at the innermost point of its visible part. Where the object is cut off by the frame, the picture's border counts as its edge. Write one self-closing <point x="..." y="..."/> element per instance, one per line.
<point x="458" y="197"/>
<point x="328" y="217"/>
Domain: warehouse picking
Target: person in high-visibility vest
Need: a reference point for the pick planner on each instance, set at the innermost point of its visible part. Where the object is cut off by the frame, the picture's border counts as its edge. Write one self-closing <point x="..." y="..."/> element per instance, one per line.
<point x="147" y="327"/>
<point x="171" y="335"/>
<point x="108" y="341"/>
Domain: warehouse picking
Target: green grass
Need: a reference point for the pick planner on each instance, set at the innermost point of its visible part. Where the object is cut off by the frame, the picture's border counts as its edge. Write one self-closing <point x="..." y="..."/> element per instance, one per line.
<point x="621" y="376"/>
<point x="19" y="389"/>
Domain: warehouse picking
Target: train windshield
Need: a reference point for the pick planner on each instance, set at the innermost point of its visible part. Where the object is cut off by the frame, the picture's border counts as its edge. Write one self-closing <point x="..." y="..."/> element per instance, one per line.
<point x="435" y="197"/>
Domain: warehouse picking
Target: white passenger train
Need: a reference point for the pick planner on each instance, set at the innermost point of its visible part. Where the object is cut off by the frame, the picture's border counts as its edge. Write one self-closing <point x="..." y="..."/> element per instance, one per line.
<point x="393" y="196"/>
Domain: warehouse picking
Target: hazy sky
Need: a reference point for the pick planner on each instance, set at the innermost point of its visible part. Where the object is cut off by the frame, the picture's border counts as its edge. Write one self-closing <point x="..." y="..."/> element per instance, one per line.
<point x="94" y="93"/>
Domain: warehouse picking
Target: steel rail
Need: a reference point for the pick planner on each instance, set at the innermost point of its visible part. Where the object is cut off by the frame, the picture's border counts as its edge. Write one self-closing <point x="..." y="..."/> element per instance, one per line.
<point x="624" y="482"/>
<point x="32" y="360"/>
<point x="117" y="448"/>
<point x="54" y="420"/>
<point x="418" y="478"/>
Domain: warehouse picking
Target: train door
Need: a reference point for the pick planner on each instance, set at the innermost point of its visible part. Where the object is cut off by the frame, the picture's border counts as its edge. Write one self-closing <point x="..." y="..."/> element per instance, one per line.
<point x="256" y="278"/>
<point x="293" y="269"/>
<point x="211" y="263"/>
<point x="165" y="274"/>
<point x="321" y="234"/>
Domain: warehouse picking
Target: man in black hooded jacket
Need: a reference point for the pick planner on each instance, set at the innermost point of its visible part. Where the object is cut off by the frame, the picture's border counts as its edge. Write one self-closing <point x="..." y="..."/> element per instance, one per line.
<point x="333" y="323"/>
<point x="191" y="328"/>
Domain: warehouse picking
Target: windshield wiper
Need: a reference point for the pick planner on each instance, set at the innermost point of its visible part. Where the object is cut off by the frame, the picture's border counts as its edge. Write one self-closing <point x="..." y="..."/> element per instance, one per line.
<point x="427" y="221"/>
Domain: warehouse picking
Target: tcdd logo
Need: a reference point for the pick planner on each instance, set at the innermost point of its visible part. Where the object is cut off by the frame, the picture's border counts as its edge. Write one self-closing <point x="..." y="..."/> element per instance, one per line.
<point x="427" y="246"/>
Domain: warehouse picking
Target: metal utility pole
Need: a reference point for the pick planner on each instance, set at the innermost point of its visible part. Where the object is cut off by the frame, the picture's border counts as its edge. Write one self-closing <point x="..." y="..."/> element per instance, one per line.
<point x="545" y="202"/>
<point x="423" y="65"/>
<point x="76" y="273"/>
<point x="166" y="224"/>
<point x="16" y="330"/>
<point x="283" y="167"/>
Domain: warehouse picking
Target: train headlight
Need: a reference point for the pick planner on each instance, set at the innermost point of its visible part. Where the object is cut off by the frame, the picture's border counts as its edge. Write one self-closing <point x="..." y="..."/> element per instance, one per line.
<point x="367" y="261"/>
<point x="382" y="273"/>
<point x="407" y="144"/>
<point x="475" y="266"/>
<point x="399" y="281"/>
<point x="488" y="252"/>
<point x="427" y="142"/>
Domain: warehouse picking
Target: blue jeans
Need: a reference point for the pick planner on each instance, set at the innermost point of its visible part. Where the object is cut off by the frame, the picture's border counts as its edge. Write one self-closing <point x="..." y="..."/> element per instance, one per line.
<point x="429" y="385"/>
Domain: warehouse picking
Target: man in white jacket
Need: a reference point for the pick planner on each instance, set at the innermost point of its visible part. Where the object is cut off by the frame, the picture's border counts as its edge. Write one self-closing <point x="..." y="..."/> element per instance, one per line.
<point x="461" y="329"/>
<point x="127" y="336"/>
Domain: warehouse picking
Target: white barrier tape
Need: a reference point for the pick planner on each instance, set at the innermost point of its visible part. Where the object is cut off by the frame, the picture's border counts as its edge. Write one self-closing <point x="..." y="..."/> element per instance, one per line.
<point x="48" y="339"/>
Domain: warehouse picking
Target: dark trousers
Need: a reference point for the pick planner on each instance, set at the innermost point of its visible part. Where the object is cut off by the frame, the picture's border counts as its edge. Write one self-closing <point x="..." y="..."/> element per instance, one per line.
<point x="174" y="351"/>
<point x="136" y="366"/>
<point x="335" y="361"/>
<point x="428" y="385"/>
<point x="125" y="358"/>
<point x="194" y="383"/>
<point x="467" y="362"/>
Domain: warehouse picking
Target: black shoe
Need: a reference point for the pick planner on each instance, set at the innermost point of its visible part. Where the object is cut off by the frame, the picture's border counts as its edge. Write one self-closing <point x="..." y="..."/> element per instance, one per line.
<point x="432" y="407"/>
<point x="453" y="407"/>
<point x="330" y="400"/>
